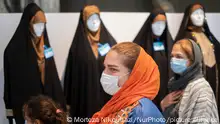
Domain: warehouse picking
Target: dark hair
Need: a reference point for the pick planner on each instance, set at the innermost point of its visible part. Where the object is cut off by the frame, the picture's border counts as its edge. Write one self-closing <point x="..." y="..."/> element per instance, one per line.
<point x="130" y="51"/>
<point x="44" y="109"/>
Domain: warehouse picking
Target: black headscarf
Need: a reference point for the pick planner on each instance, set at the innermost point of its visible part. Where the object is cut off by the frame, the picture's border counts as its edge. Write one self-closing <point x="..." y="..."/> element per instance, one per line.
<point x="184" y="32"/>
<point x="145" y="39"/>
<point x="21" y="71"/>
<point x="82" y="86"/>
<point x="179" y="82"/>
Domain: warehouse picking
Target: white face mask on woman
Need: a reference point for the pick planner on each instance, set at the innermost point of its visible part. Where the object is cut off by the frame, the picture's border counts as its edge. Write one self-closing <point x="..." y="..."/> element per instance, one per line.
<point x="93" y="23"/>
<point x="39" y="29"/>
<point x="110" y="83"/>
<point x="198" y="17"/>
<point x="158" y="28"/>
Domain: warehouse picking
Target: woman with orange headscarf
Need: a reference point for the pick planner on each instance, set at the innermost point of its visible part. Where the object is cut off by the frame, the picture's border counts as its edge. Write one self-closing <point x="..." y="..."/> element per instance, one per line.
<point x="133" y="78"/>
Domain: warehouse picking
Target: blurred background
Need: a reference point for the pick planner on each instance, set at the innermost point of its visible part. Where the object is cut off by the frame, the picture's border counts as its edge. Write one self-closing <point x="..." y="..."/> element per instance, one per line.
<point x="54" y="6"/>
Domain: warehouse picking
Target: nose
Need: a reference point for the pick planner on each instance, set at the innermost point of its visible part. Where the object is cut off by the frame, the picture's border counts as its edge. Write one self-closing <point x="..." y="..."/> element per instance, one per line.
<point x="105" y="71"/>
<point x="200" y="16"/>
<point x="42" y="28"/>
<point x="160" y="28"/>
<point x="95" y="21"/>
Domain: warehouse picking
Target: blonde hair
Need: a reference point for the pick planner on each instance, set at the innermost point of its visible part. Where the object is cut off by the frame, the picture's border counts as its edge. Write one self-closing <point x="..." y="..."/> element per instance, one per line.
<point x="187" y="47"/>
<point x="130" y="51"/>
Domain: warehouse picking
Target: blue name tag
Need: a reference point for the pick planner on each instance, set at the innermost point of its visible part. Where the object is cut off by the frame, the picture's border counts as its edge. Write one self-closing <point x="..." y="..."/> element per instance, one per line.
<point x="48" y="52"/>
<point x="158" y="46"/>
<point x="104" y="49"/>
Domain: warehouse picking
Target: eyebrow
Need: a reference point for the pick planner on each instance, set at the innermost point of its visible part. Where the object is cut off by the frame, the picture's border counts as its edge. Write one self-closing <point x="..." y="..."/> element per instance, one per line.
<point x="113" y="66"/>
<point x="179" y="53"/>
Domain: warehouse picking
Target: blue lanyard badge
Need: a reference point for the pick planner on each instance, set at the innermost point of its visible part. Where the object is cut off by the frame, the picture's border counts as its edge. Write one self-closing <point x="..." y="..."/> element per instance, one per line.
<point x="48" y="52"/>
<point x="158" y="46"/>
<point x="103" y="49"/>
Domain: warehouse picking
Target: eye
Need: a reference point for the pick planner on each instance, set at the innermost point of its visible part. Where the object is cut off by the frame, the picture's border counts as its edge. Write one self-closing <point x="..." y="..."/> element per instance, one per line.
<point x="179" y="57"/>
<point x="104" y="66"/>
<point x="113" y="70"/>
<point x="171" y="56"/>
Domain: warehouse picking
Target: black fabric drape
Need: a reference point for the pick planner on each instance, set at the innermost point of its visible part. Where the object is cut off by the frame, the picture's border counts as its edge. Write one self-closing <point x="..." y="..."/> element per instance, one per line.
<point x="184" y="32"/>
<point x="82" y="86"/>
<point x="22" y="75"/>
<point x="145" y="38"/>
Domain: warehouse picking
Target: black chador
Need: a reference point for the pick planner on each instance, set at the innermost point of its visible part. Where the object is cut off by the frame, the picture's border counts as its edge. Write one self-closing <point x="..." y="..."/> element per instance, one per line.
<point x="82" y="86"/>
<point x="29" y="66"/>
<point x="159" y="47"/>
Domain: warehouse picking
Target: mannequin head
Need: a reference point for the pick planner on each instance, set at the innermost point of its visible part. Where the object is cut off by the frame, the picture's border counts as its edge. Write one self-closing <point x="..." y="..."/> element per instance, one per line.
<point x="159" y="25"/>
<point x="37" y="24"/>
<point x="160" y="17"/>
<point x="195" y="7"/>
<point x="91" y="18"/>
<point x="197" y="16"/>
<point x="93" y="23"/>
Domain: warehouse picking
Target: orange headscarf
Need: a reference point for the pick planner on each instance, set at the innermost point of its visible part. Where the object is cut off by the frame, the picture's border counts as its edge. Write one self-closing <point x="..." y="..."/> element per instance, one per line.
<point x="38" y="43"/>
<point x="87" y="12"/>
<point x="144" y="81"/>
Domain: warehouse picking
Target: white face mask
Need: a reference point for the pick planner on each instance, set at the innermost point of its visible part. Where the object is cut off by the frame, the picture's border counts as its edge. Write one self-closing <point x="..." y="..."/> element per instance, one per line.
<point x="93" y="23"/>
<point x="39" y="29"/>
<point x="198" y="17"/>
<point x="110" y="83"/>
<point x="158" y="27"/>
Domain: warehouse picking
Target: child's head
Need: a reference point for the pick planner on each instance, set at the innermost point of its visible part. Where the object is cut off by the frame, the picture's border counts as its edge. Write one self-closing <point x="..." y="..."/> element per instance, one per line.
<point x="43" y="110"/>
